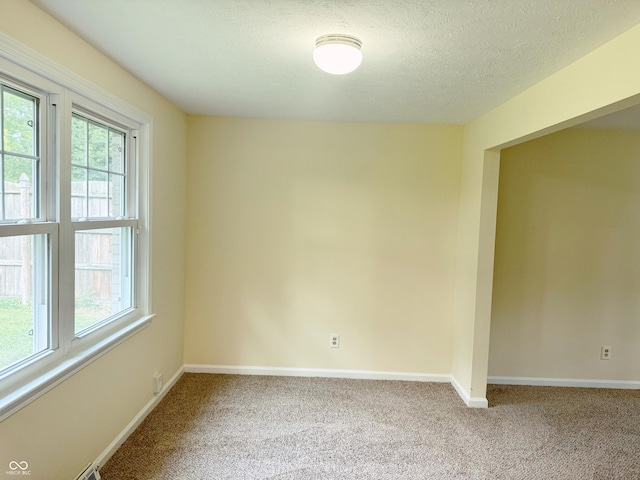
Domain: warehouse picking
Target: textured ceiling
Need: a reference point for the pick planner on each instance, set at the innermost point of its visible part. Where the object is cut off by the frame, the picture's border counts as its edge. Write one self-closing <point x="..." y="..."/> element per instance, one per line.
<point x="430" y="61"/>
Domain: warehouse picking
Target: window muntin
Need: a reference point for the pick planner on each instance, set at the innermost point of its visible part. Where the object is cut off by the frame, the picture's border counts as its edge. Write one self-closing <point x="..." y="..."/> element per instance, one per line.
<point x="19" y="154"/>
<point x="98" y="169"/>
<point x="25" y="278"/>
<point x="103" y="232"/>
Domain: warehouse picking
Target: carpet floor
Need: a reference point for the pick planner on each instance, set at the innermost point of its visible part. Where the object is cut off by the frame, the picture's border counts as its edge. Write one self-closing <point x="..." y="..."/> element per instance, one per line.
<point x="258" y="427"/>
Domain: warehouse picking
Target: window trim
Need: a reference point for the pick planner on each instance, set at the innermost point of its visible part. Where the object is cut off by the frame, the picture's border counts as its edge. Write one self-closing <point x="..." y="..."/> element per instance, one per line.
<point x="65" y="91"/>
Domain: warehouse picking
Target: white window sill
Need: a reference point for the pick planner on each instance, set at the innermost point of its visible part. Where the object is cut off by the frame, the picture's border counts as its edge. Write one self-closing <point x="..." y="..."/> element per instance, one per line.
<point x="25" y="394"/>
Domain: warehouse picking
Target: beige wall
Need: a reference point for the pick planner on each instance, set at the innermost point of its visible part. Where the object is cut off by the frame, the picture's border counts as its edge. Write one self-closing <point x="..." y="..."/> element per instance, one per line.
<point x="567" y="264"/>
<point x="301" y="229"/>
<point x="70" y="426"/>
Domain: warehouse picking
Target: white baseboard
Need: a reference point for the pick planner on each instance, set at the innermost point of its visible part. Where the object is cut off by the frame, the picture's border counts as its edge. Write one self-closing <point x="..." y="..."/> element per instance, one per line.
<point x="472" y="402"/>
<point x="137" y="420"/>
<point x="283" y="372"/>
<point x="318" y="372"/>
<point x="565" y="382"/>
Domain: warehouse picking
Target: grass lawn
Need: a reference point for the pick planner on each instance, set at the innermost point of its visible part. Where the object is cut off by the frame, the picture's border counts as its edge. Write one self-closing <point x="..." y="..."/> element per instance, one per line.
<point x="16" y="324"/>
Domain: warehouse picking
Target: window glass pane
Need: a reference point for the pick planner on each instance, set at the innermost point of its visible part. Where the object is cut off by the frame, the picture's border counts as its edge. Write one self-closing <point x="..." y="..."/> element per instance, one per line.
<point x="24" y="319"/>
<point x="100" y="150"/>
<point x="79" y="140"/>
<point x="19" y="122"/>
<point x="78" y="192"/>
<point x="19" y="201"/>
<point x="97" y="146"/>
<point x="116" y="152"/>
<point x="116" y="196"/>
<point x="98" y="194"/>
<point x="103" y="275"/>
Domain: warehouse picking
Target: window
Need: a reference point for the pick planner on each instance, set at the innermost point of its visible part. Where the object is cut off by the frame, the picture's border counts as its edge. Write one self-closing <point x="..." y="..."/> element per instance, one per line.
<point x="74" y="242"/>
<point x="101" y="216"/>
<point x="25" y="326"/>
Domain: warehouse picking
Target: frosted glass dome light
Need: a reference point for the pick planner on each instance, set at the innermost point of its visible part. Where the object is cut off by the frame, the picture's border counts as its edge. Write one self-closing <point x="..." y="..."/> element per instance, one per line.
<point x="337" y="54"/>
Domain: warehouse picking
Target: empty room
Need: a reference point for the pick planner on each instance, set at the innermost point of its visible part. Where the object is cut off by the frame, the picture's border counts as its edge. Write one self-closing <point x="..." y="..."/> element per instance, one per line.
<point x="248" y="239"/>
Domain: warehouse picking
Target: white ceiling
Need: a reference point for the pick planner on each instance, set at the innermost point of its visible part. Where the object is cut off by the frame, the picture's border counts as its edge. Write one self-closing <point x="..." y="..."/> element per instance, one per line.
<point x="429" y="61"/>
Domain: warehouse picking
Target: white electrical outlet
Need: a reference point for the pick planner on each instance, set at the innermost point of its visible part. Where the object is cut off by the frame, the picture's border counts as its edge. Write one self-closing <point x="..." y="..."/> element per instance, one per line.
<point x="605" y="353"/>
<point x="334" y="340"/>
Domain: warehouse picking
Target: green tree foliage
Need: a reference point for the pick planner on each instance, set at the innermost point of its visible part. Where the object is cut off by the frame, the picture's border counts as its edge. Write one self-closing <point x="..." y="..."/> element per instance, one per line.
<point x="95" y="146"/>
<point x="78" y="148"/>
<point x="19" y="134"/>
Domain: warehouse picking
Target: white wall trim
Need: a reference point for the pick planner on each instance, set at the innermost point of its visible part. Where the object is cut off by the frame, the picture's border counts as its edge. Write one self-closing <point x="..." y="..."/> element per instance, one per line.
<point x="137" y="420"/>
<point x="37" y="63"/>
<point x="318" y="372"/>
<point x="282" y="372"/>
<point x="472" y="402"/>
<point x="565" y="382"/>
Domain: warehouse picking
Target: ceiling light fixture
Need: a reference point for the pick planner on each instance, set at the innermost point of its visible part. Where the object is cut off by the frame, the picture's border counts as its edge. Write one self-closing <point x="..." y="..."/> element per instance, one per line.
<point x="337" y="54"/>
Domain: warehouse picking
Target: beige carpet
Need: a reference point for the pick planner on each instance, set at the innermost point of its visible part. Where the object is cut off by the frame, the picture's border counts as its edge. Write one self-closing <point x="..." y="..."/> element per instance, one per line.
<point x="243" y="427"/>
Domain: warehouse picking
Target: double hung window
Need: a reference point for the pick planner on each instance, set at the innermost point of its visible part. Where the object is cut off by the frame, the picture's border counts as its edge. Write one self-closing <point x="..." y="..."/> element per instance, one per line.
<point x="102" y="222"/>
<point x="26" y="237"/>
<point x="74" y="260"/>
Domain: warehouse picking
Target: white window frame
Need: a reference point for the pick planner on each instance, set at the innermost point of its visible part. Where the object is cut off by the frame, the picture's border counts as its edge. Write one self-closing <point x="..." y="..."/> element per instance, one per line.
<point x="62" y="92"/>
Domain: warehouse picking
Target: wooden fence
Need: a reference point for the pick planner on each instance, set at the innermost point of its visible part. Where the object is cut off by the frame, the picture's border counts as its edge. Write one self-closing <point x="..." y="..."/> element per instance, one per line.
<point x="95" y="272"/>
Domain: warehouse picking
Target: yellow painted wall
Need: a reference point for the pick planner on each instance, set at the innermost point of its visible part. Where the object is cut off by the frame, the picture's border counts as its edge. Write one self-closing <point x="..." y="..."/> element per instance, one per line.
<point x="70" y="426"/>
<point x="605" y="80"/>
<point x="567" y="264"/>
<point x="301" y="229"/>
